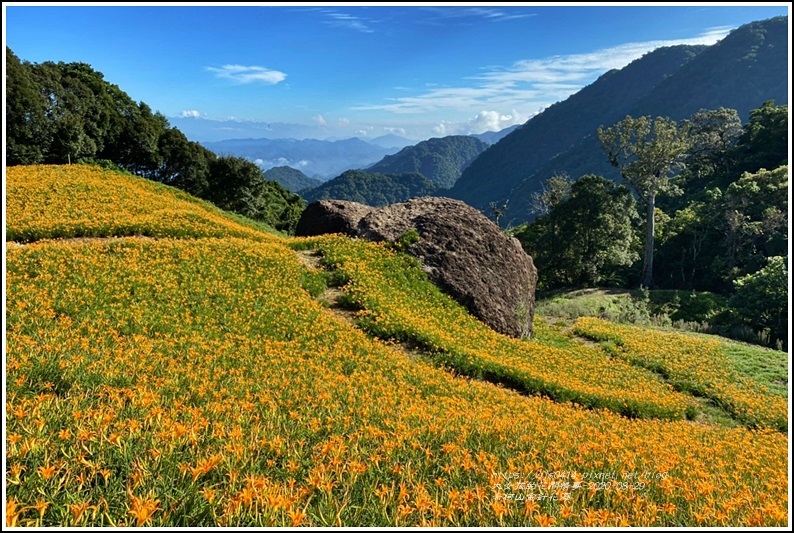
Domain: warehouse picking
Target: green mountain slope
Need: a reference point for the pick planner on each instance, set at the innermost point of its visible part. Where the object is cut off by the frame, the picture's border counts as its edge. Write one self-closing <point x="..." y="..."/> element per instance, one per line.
<point x="442" y="160"/>
<point x="740" y="72"/>
<point x="372" y="188"/>
<point x="291" y="179"/>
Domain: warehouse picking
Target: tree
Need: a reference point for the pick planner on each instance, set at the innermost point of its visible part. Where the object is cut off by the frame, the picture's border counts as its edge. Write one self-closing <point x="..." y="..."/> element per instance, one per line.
<point x="555" y="190"/>
<point x="646" y="152"/>
<point x="712" y="134"/>
<point x="756" y="222"/>
<point x="25" y="120"/>
<point x="186" y="164"/>
<point x="761" y="299"/>
<point x="498" y="210"/>
<point x="586" y="238"/>
<point x="764" y="142"/>
<point x="236" y="184"/>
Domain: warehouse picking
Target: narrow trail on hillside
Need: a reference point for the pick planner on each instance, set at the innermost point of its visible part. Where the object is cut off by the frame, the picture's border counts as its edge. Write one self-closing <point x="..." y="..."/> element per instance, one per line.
<point x="333" y="297"/>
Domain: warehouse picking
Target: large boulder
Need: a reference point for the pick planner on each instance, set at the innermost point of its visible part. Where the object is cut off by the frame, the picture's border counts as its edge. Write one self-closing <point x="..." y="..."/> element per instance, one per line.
<point x="463" y="252"/>
<point x="331" y="216"/>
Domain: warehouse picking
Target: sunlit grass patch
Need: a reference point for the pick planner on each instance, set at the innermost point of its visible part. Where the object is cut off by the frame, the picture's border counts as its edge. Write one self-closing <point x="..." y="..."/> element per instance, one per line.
<point x="695" y="364"/>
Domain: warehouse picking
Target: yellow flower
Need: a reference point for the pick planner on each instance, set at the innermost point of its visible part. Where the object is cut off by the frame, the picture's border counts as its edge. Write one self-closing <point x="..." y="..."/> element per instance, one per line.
<point x="12" y="512"/>
<point x="142" y="508"/>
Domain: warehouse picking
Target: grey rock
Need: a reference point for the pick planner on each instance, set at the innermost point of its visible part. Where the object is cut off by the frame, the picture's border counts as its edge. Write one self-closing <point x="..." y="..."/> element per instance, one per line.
<point x="462" y="251"/>
<point x="331" y="216"/>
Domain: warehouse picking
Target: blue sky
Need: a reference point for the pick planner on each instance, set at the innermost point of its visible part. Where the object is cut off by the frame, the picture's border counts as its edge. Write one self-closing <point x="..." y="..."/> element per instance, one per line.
<point x="337" y="71"/>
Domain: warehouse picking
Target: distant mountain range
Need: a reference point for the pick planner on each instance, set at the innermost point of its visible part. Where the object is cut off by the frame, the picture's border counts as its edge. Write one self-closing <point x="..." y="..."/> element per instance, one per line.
<point x="317" y="159"/>
<point x="746" y="68"/>
<point x="392" y="141"/>
<point x="325" y="159"/>
<point x="492" y="137"/>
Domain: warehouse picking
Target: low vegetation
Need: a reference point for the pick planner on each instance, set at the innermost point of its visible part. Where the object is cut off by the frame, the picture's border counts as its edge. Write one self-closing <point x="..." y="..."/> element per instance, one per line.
<point x="189" y="378"/>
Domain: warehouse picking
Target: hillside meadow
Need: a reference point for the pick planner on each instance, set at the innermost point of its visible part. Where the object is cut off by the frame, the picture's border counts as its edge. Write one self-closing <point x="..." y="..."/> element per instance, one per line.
<point x="170" y="365"/>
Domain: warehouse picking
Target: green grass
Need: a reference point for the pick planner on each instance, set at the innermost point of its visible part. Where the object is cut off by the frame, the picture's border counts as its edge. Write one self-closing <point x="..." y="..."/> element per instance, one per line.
<point x="616" y="305"/>
<point x="764" y="365"/>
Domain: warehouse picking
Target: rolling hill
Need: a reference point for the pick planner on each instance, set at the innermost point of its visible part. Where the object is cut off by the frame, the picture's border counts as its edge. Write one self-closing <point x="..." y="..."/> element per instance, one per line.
<point x="168" y="365"/>
<point x="746" y="68"/>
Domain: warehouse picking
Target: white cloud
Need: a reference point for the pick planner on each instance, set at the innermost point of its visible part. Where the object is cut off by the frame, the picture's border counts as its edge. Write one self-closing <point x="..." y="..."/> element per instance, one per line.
<point x="395" y="131"/>
<point x="350" y="22"/>
<point x="442" y="129"/>
<point x="532" y="83"/>
<point x="190" y="113"/>
<point x="248" y="74"/>
<point x="493" y="121"/>
<point x="467" y="15"/>
<point x="267" y="164"/>
<point x="481" y="122"/>
<point x="344" y="121"/>
<point x="319" y="120"/>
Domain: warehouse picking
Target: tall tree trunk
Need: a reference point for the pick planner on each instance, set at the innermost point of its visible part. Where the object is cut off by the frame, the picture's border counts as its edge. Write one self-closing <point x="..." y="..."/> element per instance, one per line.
<point x="647" y="266"/>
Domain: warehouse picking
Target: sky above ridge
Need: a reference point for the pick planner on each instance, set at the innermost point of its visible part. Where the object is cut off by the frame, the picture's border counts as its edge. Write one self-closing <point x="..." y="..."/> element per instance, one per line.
<point x="333" y="71"/>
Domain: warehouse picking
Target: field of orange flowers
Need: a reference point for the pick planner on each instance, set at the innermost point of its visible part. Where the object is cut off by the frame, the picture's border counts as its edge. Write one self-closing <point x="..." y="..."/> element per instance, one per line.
<point x="47" y="202"/>
<point x="191" y="380"/>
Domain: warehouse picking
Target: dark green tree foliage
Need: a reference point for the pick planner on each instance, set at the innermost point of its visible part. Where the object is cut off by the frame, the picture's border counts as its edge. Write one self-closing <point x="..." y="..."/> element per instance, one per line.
<point x="61" y="113"/>
<point x="764" y="142"/>
<point x="586" y="239"/>
<point x="239" y="185"/>
<point x="25" y="114"/>
<point x="372" y="188"/>
<point x="712" y="134"/>
<point x="761" y="299"/>
<point x="756" y="220"/>
<point x="729" y="220"/>
<point x="185" y="165"/>
<point x="686" y="246"/>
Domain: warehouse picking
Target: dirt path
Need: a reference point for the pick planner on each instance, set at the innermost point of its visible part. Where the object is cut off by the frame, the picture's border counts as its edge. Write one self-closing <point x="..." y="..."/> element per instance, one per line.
<point x="333" y="297"/>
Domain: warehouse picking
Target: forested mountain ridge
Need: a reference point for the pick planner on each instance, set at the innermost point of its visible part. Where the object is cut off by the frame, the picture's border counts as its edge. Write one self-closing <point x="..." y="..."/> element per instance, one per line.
<point x="746" y="68"/>
<point x="291" y="179"/>
<point x="373" y="188"/>
<point x="494" y="174"/>
<point x="441" y="160"/>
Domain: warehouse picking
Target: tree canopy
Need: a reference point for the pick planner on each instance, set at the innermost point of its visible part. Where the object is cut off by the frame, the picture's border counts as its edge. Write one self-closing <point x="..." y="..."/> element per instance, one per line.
<point x="586" y="238"/>
<point x="646" y="152"/>
<point x="60" y="113"/>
